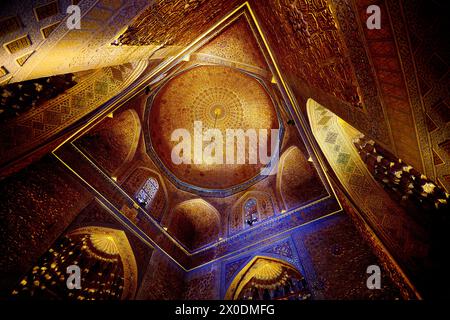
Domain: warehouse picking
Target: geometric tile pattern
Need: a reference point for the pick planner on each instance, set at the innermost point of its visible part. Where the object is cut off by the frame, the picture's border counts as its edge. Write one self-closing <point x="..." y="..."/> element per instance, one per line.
<point x="231" y="268"/>
<point x="36" y="126"/>
<point x="283" y="249"/>
<point x="405" y="238"/>
<point x="64" y="50"/>
<point x="425" y="55"/>
<point x="388" y="69"/>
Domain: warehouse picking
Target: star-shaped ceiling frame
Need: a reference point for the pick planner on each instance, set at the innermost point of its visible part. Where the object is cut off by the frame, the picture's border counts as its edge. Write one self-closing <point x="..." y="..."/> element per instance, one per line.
<point x="154" y="234"/>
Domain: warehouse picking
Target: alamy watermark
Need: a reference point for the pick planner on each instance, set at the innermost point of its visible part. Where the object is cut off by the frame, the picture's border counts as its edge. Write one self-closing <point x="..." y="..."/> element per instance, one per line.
<point x="374" y="280"/>
<point x="74" y="279"/>
<point x="374" y="20"/>
<point x="74" y="19"/>
<point x="230" y="149"/>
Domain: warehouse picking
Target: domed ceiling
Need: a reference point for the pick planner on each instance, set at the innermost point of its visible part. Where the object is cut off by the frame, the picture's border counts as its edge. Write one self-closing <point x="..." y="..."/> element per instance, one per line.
<point x="222" y="98"/>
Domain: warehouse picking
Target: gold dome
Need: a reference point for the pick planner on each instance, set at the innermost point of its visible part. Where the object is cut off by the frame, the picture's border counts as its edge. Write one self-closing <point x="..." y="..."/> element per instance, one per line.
<point x="221" y="98"/>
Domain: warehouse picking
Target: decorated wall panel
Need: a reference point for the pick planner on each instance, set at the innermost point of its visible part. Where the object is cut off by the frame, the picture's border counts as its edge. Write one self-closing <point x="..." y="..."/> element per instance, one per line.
<point x="27" y="227"/>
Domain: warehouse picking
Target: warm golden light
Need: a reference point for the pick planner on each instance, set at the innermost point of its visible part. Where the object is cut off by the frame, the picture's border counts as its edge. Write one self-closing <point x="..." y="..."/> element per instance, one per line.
<point x="217" y="112"/>
<point x="104" y="243"/>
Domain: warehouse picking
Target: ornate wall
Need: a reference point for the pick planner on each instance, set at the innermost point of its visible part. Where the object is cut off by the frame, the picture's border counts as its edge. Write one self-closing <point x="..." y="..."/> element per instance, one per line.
<point x="384" y="67"/>
<point x="179" y="23"/>
<point x="27" y="226"/>
<point x="39" y="126"/>
<point x="60" y="50"/>
<point x="202" y="284"/>
<point x="340" y="259"/>
<point x="405" y="238"/>
<point x="322" y="52"/>
<point x="163" y="281"/>
<point x="330" y="254"/>
<point x="426" y="27"/>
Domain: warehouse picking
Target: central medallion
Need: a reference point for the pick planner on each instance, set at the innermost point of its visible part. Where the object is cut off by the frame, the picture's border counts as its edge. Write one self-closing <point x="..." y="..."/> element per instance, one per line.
<point x="217" y="112"/>
<point x="217" y="107"/>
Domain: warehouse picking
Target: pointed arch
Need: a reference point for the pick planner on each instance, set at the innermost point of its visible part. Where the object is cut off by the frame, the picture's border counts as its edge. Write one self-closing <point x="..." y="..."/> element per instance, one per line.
<point x="265" y="208"/>
<point x="137" y="179"/>
<point x="125" y="252"/>
<point x="251" y="212"/>
<point x="268" y="278"/>
<point x="147" y="192"/>
<point x="335" y="138"/>
<point x="404" y="235"/>
<point x="106" y="264"/>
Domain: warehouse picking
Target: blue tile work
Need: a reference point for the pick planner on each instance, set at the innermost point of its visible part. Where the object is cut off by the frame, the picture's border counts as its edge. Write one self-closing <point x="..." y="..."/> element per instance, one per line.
<point x="328" y="252"/>
<point x="283" y="248"/>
